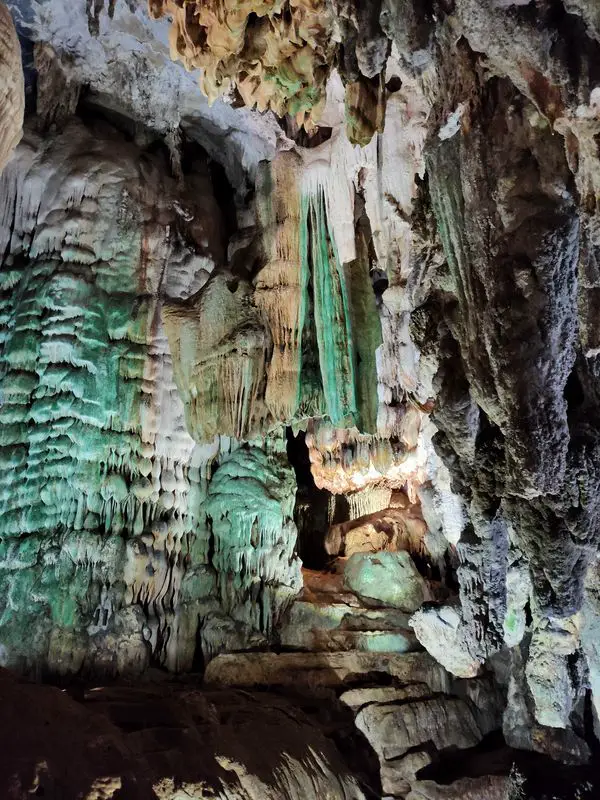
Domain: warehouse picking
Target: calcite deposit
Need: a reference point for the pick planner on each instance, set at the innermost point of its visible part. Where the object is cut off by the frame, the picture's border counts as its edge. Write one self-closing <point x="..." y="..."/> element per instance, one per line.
<point x="299" y="399"/>
<point x="277" y="54"/>
<point x="12" y="87"/>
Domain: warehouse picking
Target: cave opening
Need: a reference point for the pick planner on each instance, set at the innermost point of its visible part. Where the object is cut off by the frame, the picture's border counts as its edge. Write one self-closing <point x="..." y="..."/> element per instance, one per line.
<point x="311" y="513"/>
<point x="368" y="521"/>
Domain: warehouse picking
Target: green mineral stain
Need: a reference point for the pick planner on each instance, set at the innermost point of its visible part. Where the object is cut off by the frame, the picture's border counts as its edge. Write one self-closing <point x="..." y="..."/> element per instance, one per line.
<point x="332" y="317"/>
<point x="367" y="336"/>
<point x="511" y="621"/>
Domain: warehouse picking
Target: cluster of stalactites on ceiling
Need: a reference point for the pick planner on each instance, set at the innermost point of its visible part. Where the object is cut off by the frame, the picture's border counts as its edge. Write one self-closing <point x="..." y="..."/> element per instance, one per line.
<point x="276" y="55"/>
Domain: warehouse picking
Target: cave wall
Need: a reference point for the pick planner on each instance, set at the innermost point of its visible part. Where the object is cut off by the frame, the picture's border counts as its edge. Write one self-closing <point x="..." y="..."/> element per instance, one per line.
<point x="100" y="478"/>
<point x="137" y="360"/>
<point x="421" y="307"/>
<point x="12" y="81"/>
<point x="511" y="182"/>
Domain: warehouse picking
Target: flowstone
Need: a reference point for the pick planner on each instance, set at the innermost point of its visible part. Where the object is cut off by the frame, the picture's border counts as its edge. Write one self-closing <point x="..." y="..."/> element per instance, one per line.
<point x="12" y="87"/>
<point x="101" y="483"/>
<point x="250" y="505"/>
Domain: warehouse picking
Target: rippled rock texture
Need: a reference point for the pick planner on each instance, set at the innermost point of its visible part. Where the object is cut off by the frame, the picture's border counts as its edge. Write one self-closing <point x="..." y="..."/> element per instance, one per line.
<point x="12" y="87"/>
<point x="233" y="340"/>
<point x="98" y="469"/>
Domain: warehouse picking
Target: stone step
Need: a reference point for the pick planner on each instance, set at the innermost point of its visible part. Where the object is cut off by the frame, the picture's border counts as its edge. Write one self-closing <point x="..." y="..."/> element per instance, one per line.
<point x="330" y="670"/>
<point x="337" y="626"/>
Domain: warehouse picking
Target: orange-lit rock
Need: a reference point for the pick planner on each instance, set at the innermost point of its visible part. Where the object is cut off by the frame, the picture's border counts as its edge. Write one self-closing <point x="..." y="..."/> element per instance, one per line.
<point x="277" y="54"/>
<point x="12" y="93"/>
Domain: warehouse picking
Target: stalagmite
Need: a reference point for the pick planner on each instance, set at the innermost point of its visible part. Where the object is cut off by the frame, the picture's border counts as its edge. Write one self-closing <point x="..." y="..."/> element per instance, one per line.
<point x="250" y="504"/>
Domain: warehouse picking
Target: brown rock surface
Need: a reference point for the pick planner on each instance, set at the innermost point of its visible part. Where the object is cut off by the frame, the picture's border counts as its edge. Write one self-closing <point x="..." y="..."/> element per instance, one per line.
<point x="485" y="788"/>
<point x="323" y="669"/>
<point x="276" y="54"/>
<point x="12" y="91"/>
<point x="165" y="742"/>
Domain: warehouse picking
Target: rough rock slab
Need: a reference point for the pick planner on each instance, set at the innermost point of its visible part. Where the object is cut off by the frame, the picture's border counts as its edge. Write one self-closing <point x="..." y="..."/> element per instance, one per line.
<point x="358" y="698"/>
<point x="323" y="669"/>
<point x="393" y="728"/>
<point x="163" y="741"/>
<point x="338" y="626"/>
<point x="485" y="788"/>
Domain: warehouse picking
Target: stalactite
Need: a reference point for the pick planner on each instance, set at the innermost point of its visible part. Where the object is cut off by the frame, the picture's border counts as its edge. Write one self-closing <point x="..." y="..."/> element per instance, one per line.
<point x="367" y="334"/>
<point x="220" y="349"/>
<point x="368" y="501"/>
<point x="276" y="53"/>
<point x="281" y="285"/>
<point x="344" y="460"/>
<point x="332" y="316"/>
<point x="12" y="89"/>
<point x="365" y="109"/>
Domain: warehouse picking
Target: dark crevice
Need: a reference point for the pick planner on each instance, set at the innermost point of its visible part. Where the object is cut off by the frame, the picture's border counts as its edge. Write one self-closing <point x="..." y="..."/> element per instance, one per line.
<point x="312" y="505"/>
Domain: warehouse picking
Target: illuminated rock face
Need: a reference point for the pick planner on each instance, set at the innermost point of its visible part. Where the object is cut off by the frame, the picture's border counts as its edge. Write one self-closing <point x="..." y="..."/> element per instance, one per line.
<point x="250" y="506"/>
<point x="279" y="55"/>
<point x="101" y="482"/>
<point x="297" y="342"/>
<point x="12" y="90"/>
<point x="135" y="361"/>
<point x="419" y="312"/>
<point x="276" y="53"/>
<point x="220" y="349"/>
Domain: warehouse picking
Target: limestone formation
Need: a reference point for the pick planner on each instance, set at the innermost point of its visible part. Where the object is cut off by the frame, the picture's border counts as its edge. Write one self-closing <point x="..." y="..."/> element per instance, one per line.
<point x="486" y="788"/>
<point x="443" y="633"/>
<point x="99" y="467"/>
<point x="276" y="54"/>
<point x="12" y="91"/>
<point x="384" y="578"/>
<point x="250" y="506"/>
<point x="393" y="729"/>
<point x="299" y="393"/>
<point x="281" y="285"/>
<point x="341" y="623"/>
<point x="324" y="669"/>
<point x="220" y="350"/>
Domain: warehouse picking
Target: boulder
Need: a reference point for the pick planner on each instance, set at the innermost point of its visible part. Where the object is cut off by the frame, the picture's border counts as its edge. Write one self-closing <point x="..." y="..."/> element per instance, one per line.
<point x="442" y="633"/>
<point x="365" y="539"/>
<point x="404" y="724"/>
<point x="337" y="626"/>
<point x="549" y="670"/>
<point x="385" y="579"/>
